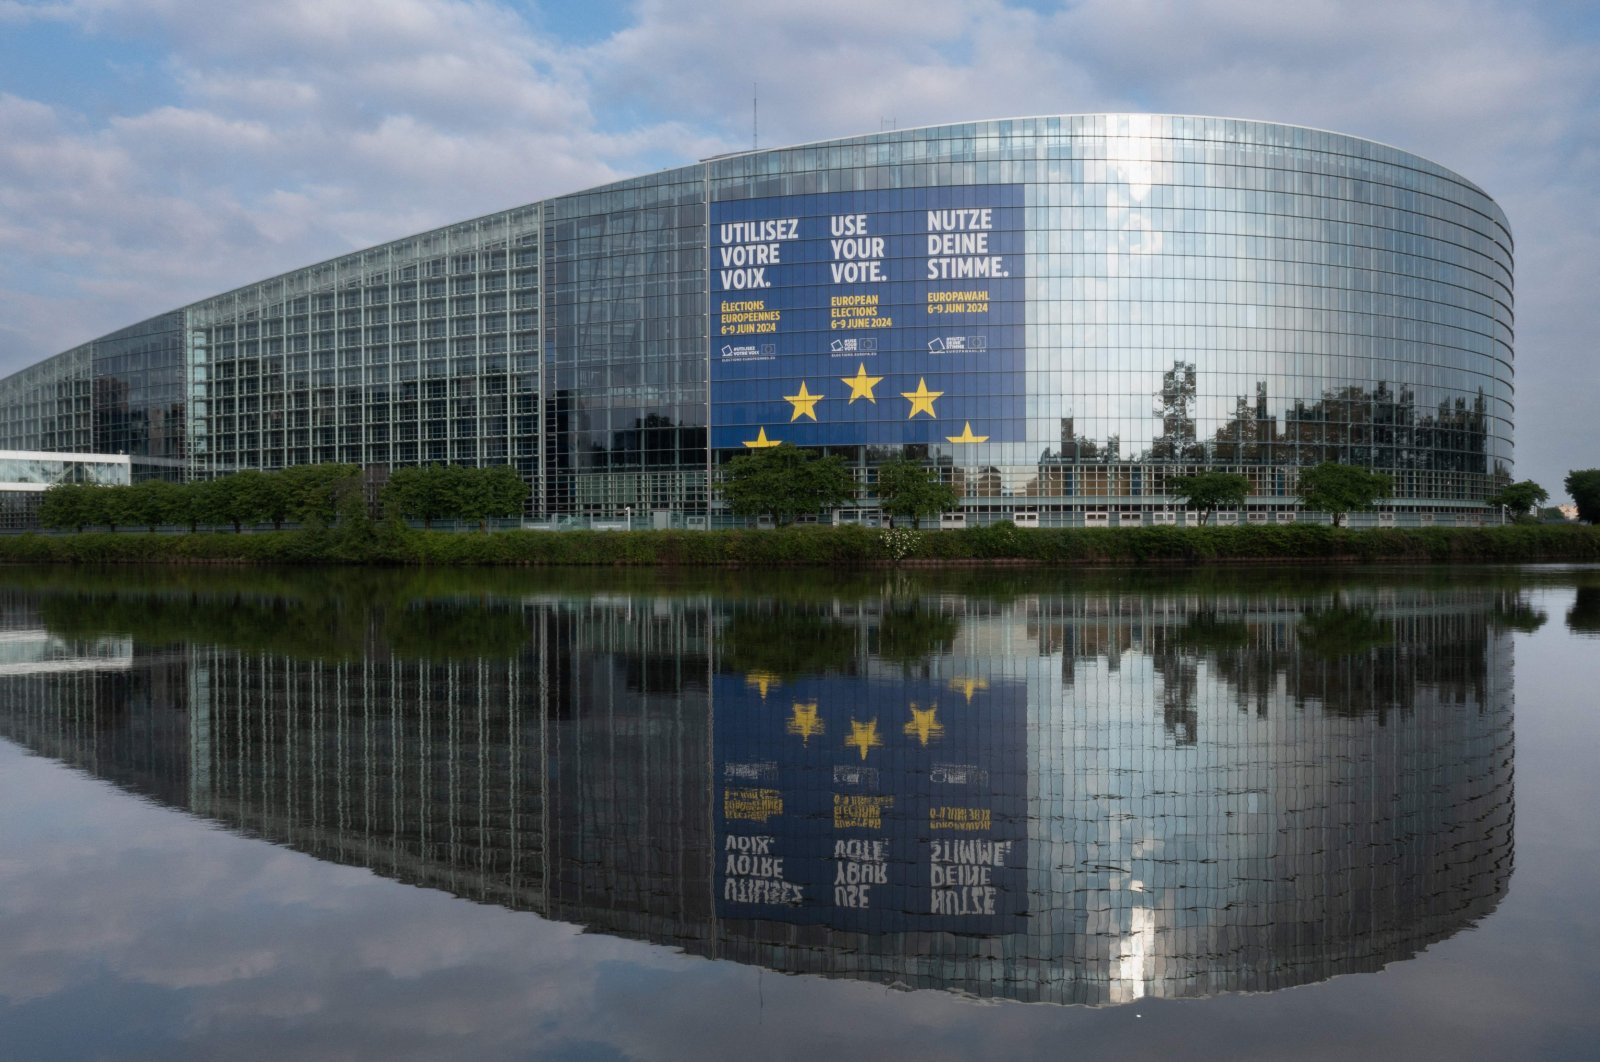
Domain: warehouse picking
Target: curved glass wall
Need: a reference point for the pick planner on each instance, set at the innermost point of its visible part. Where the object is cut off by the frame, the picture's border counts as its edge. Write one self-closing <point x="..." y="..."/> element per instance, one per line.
<point x="1059" y="313"/>
<point x="1192" y="293"/>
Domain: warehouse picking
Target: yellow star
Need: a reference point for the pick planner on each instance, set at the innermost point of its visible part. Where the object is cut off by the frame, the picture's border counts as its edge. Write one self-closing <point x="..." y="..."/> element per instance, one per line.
<point x="861" y="384"/>
<point x="864" y="736"/>
<point x="761" y="680"/>
<point x="967" y="686"/>
<point x="966" y="435"/>
<point x="923" y="724"/>
<point x="922" y="399"/>
<point x="761" y="441"/>
<point x="804" y="721"/>
<point x="805" y="403"/>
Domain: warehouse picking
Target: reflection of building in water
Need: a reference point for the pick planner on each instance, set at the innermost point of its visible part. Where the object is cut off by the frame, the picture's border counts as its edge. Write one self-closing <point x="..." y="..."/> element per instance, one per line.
<point x="98" y="704"/>
<point x="1264" y="794"/>
<point x="1075" y="798"/>
<point x="26" y="652"/>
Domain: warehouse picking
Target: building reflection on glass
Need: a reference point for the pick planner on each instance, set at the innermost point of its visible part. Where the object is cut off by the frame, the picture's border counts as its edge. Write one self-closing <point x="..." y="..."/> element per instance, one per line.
<point x="1075" y="798"/>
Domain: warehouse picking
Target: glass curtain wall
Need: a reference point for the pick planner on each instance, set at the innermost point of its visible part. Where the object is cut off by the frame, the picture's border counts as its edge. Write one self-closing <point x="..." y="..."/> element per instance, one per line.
<point x="139" y="399"/>
<point x="48" y="406"/>
<point x="421" y="351"/>
<point x="1190" y="293"/>
<point x="1214" y="294"/>
<point x="625" y="311"/>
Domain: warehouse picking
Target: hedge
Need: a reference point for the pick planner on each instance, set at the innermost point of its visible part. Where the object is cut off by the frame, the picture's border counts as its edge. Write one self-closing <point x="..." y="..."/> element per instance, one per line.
<point x="836" y="547"/>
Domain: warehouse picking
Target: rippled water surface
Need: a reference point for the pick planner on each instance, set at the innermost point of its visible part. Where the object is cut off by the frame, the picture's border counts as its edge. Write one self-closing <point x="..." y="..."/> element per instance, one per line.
<point x="1222" y="814"/>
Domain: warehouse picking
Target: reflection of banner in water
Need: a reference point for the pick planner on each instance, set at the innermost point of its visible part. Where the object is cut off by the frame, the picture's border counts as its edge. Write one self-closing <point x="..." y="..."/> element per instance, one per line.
<point x="877" y="806"/>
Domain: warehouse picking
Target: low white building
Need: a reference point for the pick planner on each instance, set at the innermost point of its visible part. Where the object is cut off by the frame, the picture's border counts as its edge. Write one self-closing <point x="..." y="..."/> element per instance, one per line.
<point x="26" y="474"/>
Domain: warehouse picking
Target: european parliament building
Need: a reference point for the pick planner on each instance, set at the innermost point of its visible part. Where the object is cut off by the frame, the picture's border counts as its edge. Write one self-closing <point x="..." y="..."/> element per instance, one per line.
<point x="1056" y="313"/>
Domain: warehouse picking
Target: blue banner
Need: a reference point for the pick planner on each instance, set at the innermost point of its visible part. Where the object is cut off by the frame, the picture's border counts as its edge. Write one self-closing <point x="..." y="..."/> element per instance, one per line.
<point x="872" y="806"/>
<point x="868" y="318"/>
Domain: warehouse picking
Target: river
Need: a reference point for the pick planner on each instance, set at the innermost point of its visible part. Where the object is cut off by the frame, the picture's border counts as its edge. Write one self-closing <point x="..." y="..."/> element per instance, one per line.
<point x="1240" y="813"/>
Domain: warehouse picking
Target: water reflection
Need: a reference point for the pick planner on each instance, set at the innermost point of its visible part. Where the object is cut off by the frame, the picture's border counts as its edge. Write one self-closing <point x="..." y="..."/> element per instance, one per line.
<point x="1082" y="796"/>
<point x="1584" y="616"/>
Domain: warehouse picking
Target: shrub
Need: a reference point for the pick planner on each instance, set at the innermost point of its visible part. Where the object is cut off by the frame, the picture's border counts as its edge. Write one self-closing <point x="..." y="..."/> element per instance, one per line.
<point x="1001" y="539"/>
<point x="356" y="540"/>
<point x="900" y="543"/>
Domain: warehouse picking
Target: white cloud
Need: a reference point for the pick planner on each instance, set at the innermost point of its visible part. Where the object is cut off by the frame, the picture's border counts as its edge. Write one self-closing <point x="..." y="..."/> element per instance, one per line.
<point x="293" y="131"/>
<point x="19" y="11"/>
<point x="827" y="70"/>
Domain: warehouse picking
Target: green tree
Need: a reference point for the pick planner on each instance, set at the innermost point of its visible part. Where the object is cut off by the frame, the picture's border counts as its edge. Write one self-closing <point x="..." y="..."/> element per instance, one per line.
<point x="786" y="481"/>
<point x="428" y="493"/>
<point x="153" y="502"/>
<point x="1342" y="489"/>
<point x="1209" y="491"/>
<point x="67" y="506"/>
<point x="399" y="492"/>
<point x="111" y="506"/>
<point x="234" y="500"/>
<point x="206" y="503"/>
<point x="185" y="506"/>
<point x="1519" y="498"/>
<point x="494" y="491"/>
<point x="315" y="491"/>
<point x="1584" y="486"/>
<point x="354" y="534"/>
<point x="273" y="499"/>
<point x="909" y="488"/>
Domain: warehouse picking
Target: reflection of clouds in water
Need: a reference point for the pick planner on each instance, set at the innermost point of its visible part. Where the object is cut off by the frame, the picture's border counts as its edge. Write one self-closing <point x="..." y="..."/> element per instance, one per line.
<point x="371" y="967"/>
<point x="157" y="899"/>
<point x="374" y="967"/>
<point x="379" y="969"/>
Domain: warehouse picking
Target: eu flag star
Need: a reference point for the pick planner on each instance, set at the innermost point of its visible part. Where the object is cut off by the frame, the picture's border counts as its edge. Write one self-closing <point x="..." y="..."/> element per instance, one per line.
<point x="861" y="384"/>
<point x="966" y="435"/>
<point x="804" y="722"/>
<point x="967" y="685"/>
<point x="864" y="736"/>
<point x="924" y="725"/>
<point x="761" y="441"/>
<point x="921" y="399"/>
<point x="805" y="403"/>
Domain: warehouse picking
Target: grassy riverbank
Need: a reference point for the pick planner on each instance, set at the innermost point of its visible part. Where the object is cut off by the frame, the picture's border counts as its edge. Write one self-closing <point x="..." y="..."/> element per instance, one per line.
<point x="826" y="546"/>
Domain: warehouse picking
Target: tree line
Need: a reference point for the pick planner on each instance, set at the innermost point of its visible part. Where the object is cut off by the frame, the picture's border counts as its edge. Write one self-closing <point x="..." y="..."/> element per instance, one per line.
<point x="786" y="482"/>
<point x="304" y="495"/>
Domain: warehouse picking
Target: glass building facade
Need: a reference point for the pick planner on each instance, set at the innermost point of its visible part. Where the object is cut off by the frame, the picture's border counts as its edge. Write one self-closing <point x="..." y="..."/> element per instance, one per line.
<point x="1057" y="313"/>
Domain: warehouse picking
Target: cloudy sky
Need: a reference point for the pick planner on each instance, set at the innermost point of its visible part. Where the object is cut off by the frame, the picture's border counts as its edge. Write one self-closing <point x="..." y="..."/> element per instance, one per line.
<point x="153" y="152"/>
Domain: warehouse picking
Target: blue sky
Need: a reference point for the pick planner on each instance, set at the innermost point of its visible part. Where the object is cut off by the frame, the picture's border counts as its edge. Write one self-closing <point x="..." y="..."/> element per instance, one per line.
<point x="153" y="152"/>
